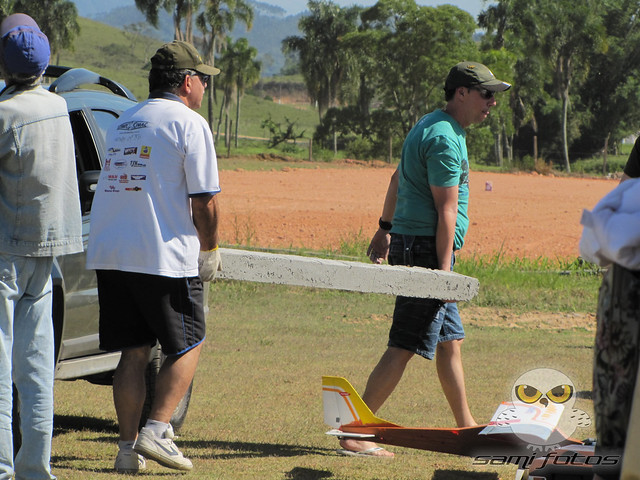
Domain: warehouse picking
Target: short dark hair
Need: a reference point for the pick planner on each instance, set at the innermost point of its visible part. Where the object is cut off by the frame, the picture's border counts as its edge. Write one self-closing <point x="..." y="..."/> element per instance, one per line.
<point x="449" y="93"/>
<point x="22" y="80"/>
<point x="167" y="80"/>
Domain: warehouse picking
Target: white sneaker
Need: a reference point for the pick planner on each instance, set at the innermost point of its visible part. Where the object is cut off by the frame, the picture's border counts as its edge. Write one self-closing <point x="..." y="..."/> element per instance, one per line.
<point x="128" y="461"/>
<point x="162" y="450"/>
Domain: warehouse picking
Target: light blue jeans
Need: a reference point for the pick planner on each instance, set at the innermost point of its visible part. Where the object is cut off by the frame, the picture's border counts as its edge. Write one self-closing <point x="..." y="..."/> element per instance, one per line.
<point x="26" y="359"/>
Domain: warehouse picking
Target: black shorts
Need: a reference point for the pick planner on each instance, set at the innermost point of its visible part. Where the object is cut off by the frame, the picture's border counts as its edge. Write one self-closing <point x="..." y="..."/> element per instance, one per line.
<point x="137" y="309"/>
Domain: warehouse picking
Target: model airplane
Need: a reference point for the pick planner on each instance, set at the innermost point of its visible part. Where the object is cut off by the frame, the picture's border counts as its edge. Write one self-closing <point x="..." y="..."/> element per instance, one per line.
<point x="349" y="415"/>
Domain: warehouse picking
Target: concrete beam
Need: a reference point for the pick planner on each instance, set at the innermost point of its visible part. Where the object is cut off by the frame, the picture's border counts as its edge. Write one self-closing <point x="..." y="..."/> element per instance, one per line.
<point x="342" y="275"/>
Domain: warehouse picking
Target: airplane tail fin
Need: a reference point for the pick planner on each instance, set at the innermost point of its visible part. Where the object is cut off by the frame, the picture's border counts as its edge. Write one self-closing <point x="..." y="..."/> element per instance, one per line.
<point x="343" y="405"/>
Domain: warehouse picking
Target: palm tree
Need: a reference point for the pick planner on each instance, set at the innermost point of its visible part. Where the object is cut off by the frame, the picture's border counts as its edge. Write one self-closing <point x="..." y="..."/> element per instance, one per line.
<point x="182" y="10"/>
<point x="58" y="19"/>
<point x="217" y="19"/>
<point x="240" y="70"/>
<point x="323" y="61"/>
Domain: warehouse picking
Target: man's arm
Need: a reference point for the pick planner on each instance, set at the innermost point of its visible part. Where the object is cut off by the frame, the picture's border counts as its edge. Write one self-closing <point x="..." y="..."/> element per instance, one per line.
<point x="446" y="203"/>
<point x="379" y="247"/>
<point x="205" y="218"/>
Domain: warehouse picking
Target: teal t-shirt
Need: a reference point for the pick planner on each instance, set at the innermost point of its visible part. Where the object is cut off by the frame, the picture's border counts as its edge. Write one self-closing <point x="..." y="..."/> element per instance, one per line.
<point x="434" y="153"/>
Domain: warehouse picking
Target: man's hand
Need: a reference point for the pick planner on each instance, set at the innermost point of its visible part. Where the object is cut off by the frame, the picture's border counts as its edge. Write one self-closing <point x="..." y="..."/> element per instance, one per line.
<point x="379" y="247"/>
<point x="209" y="262"/>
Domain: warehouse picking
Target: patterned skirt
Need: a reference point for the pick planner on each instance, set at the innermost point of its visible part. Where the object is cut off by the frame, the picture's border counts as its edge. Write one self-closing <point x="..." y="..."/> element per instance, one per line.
<point x="616" y="357"/>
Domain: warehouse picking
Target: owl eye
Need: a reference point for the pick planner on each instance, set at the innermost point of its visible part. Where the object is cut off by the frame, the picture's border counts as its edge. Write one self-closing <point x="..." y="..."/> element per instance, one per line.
<point x="560" y="394"/>
<point x="527" y="393"/>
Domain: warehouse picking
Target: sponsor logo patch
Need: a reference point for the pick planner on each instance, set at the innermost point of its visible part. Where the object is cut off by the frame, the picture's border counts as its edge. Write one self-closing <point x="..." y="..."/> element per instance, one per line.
<point x="135" y="125"/>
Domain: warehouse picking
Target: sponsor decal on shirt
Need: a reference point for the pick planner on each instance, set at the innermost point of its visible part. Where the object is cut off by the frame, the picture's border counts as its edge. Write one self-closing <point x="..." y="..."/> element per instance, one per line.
<point x="111" y="189"/>
<point x="113" y="151"/>
<point x="130" y="150"/>
<point x="124" y="178"/>
<point x="107" y="165"/>
<point x="145" y="151"/>
<point x="119" y="164"/>
<point x="131" y="137"/>
<point x="137" y="164"/>
<point x="133" y="189"/>
<point x="133" y="125"/>
<point x="138" y="177"/>
<point x="112" y="178"/>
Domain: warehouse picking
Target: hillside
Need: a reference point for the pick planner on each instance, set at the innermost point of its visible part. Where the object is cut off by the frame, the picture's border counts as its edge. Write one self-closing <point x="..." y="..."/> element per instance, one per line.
<point x="271" y="25"/>
<point x="124" y="57"/>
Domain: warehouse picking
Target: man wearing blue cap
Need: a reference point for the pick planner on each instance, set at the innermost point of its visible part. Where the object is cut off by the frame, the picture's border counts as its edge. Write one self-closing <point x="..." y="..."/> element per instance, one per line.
<point x="40" y="211"/>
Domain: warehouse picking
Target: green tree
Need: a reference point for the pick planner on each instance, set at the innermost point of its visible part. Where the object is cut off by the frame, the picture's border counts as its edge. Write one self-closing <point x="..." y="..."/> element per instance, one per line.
<point x="58" y="19"/>
<point x="323" y="61"/>
<point x="240" y="70"/>
<point x="501" y="118"/>
<point x="414" y="48"/>
<point x="611" y="92"/>
<point x="6" y="8"/>
<point x="531" y="71"/>
<point x="217" y="19"/>
<point x="565" y="45"/>
<point x="182" y="11"/>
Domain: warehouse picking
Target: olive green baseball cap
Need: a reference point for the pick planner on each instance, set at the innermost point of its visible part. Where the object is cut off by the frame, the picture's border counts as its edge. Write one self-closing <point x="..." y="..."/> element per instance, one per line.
<point x="179" y="55"/>
<point x="471" y="74"/>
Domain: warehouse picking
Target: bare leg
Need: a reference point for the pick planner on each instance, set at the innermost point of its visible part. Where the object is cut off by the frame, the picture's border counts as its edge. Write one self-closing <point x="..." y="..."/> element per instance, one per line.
<point x="172" y="383"/>
<point x="451" y="375"/>
<point x="383" y="380"/>
<point x="129" y="390"/>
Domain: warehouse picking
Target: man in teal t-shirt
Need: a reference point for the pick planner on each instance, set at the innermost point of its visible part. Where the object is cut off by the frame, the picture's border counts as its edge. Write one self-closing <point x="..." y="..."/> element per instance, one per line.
<point x="434" y="153"/>
<point x="424" y="221"/>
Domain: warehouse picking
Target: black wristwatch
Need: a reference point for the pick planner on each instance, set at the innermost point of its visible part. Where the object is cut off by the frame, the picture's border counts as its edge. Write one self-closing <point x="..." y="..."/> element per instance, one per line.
<point x="384" y="225"/>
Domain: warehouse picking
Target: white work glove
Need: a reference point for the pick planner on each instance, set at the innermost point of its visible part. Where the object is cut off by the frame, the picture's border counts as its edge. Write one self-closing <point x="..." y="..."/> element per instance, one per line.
<point x="209" y="263"/>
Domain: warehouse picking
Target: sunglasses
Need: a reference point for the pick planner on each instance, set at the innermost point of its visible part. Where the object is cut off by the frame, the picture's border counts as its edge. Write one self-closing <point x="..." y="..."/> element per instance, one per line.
<point x="204" y="78"/>
<point x="484" y="93"/>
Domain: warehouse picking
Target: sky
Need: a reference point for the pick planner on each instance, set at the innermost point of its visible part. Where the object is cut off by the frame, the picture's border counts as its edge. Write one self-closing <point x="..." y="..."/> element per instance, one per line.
<point x="296" y="6"/>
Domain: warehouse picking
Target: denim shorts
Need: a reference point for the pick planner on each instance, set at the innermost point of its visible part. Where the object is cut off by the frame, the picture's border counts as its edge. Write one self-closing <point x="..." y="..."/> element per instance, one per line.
<point x="419" y="324"/>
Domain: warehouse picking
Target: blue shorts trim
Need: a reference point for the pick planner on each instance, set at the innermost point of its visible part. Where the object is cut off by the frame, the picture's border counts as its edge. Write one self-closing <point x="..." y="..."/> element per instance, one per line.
<point x="419" y="324"/>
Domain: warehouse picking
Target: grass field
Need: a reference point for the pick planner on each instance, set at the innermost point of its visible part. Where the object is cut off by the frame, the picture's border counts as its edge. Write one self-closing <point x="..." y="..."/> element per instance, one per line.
<point x="256" y="412"/>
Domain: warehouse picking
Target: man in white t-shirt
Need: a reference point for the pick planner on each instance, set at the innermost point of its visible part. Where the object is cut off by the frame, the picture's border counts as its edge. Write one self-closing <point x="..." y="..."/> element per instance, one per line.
<point x="153" y="242"/>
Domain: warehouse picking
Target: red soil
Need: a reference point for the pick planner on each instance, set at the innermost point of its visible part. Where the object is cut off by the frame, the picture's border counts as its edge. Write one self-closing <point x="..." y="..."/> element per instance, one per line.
<point x="523" y="215"/>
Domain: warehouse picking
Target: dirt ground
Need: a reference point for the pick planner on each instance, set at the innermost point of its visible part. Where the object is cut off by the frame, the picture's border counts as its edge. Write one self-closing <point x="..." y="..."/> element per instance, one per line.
<point x="522" y="215"/>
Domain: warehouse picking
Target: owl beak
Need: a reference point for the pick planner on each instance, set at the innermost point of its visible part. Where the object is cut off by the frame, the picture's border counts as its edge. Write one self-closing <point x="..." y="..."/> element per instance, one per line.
<point x="544" y="402"/>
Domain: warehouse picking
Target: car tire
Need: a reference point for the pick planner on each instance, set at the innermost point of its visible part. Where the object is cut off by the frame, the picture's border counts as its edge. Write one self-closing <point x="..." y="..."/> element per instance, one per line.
<point x="180" y="413"/>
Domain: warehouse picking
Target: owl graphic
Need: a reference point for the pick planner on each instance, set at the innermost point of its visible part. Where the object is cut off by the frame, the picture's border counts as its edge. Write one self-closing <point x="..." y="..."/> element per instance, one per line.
<point x="550" y="392"/>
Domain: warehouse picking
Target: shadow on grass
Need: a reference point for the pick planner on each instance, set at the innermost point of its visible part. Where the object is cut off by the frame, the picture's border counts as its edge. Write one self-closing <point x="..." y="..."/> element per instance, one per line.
<point x="300" y="473"/>
<point x="461" y="475"/>
<point x="67" y="423"/>
<point x="251" y="450"/>
<point x="237" y="449"/>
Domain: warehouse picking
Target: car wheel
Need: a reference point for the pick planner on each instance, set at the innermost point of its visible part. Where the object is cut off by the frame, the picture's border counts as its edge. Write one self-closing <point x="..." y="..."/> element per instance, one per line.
<point x="180" y="413"/>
